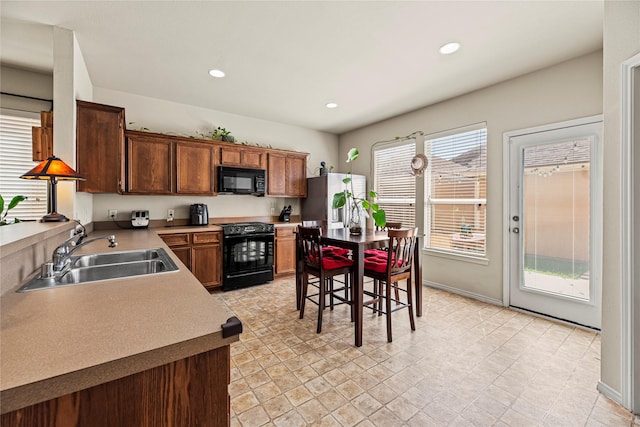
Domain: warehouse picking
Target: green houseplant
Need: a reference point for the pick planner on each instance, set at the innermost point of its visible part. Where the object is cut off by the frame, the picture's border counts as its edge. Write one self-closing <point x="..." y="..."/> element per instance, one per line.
<point x="360" y="204"/>
<point x="12" y="204"/>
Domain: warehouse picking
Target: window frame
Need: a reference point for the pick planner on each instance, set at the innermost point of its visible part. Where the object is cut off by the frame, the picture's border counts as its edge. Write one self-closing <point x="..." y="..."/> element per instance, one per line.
<point x="37" y="191"/>
<point x="400" y="202"/>
<point x="429" y="202"/>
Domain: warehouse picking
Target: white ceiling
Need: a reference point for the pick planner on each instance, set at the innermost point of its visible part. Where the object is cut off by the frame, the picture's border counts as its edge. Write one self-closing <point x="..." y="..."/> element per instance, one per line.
<point x="285" y="60"/>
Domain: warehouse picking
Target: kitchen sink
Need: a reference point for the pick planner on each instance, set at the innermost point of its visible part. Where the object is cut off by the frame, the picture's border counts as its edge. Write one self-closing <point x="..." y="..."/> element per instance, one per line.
<point x="106" y="266"/>
<point x="112" y="271"/>
<point x="116" y="257"/>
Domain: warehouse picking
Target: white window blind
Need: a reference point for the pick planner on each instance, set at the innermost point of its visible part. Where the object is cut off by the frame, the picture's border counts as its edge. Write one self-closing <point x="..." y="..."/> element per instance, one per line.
<point x="394" y="183"/>
<point x="455" y="187"/>
<point x="15" y="160"/>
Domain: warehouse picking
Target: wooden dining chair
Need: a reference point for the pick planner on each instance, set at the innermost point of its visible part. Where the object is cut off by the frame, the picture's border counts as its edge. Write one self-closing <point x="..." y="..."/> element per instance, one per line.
<point x="325" y="267"/>
<point x="382" y="251"/>
<point x="322" y="225"/>
<point x="388" y="226"/>
<point x="389" y="272"/>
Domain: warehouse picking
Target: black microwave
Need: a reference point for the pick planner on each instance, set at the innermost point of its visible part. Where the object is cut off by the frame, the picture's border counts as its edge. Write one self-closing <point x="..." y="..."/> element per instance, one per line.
<point x="242" y="181"/>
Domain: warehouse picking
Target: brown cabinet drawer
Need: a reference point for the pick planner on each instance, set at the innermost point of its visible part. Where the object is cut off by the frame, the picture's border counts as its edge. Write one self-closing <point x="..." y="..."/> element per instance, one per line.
<point x="284" y="231"/>
<point x="175" y="239"/>
<point x="208" y="237"/>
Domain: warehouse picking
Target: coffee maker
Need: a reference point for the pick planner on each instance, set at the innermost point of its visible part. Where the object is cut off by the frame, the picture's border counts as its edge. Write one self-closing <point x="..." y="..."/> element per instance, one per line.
<point x="198" y="214"/>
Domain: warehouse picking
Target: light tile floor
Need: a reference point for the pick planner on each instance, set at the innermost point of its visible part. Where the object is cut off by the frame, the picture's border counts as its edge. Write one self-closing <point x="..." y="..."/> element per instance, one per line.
<point x="467" y="364"/>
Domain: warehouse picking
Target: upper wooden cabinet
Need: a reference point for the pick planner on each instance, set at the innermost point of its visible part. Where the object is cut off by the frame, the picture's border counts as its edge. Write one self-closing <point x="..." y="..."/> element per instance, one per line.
<point x="287" y="174"/>
<point x="150" y="164"/>
<point x="100" y="147"/>
<point x="195" y="168"/>
<point x="242" y="156"/>
<point x="161" y="164"/>
<point x="115" y="160"/>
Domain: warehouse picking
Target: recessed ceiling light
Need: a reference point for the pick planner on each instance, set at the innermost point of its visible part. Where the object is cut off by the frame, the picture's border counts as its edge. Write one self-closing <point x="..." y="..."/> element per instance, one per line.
<point x="449" y="48"/>
<point x="332" y="105"/>
<point x="216" y="73"/>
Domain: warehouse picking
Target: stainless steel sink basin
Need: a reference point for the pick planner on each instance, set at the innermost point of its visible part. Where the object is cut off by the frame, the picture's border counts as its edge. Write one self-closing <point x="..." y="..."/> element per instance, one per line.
<point x="106" y="266"/>
<point x="112" y="271"/>
<point x="115" y="257"/>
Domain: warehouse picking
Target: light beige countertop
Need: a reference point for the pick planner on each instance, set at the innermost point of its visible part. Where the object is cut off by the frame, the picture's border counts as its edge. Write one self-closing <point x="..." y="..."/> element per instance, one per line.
<point x="56" y="341"/>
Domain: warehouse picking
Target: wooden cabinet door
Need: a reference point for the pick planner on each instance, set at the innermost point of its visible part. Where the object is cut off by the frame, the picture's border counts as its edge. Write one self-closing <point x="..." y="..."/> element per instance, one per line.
<point x="205" y="261"/>
<point x="149" y="165"/>
<point x="242" y="157"/>
<point x="297" y="176"/>
<point x="99" y="147"/>
<point x="285" y="256"/>
<point x="184" y="253"/>
<point x="276" y="175"/>
<point x="195" y="168"/>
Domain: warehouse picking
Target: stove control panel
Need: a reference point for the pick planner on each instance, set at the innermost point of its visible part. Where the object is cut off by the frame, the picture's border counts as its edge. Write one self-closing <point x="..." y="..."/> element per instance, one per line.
<point x="247" y="228"/>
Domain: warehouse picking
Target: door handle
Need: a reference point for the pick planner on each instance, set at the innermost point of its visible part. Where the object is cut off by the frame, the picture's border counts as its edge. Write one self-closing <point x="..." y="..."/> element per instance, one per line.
<point x="515" y="230"/>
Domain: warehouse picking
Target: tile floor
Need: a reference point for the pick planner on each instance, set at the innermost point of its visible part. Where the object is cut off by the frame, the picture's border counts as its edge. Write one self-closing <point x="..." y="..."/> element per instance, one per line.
<point x="467" y="364"/>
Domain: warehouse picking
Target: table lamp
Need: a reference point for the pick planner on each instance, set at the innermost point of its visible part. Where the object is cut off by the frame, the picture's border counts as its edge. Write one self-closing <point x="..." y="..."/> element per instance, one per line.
<point x="54" y="170"/>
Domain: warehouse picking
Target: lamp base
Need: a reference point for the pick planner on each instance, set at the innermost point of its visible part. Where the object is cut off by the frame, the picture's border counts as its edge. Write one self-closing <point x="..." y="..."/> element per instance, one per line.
<point x="54" y="217"/>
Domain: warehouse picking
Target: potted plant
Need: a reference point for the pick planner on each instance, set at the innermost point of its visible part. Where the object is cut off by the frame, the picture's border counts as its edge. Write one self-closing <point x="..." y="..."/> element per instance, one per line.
<point x="12" y="204"/>
<point x="221" y="134"/>
<point x="360" y="205"/>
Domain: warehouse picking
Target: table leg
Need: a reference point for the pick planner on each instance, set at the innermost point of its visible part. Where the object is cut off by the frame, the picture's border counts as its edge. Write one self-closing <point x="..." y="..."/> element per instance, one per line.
<point x="358" y="259"/>
<point x="299" y="268"/>
<point x="417" y="262"/>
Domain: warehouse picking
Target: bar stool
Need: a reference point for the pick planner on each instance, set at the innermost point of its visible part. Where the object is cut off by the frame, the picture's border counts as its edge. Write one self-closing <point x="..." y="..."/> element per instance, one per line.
<point x="389" y="271"/>
<point x="325" y="266"/>
<point x="323" y="227"/>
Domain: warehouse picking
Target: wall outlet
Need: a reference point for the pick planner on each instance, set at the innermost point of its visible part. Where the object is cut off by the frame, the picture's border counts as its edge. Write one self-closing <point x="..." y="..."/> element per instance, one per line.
<point x="169" y="214"/>
<point x="113" y="213"/>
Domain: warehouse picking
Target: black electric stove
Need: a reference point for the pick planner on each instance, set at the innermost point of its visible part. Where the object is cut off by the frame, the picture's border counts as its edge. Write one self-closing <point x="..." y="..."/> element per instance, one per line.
<point x="247" y="254"/>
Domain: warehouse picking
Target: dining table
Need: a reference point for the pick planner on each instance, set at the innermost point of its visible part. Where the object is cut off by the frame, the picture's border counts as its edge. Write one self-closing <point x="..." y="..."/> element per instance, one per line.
<point x="357" y="244"/>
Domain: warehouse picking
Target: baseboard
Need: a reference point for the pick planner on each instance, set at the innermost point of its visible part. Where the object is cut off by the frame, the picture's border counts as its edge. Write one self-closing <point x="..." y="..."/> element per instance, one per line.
<point x="467" y="294"/>
<point x="609" y="393"/>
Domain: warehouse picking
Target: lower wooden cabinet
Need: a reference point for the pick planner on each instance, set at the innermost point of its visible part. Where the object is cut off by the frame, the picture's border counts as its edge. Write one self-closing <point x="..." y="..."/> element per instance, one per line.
<point x="201" y="252"/>
<point x="187" y="392"/>
<point x="285" y="253"/>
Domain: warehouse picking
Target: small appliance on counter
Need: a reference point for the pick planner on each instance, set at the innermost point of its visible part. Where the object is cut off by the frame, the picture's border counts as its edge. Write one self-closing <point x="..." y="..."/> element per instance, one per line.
<point x="139" y="219"/>
<point x="198" y="214"/>
<point x="285" y="215"/>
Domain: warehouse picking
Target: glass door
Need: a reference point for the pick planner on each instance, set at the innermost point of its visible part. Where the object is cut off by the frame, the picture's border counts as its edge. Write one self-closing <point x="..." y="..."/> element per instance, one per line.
<point x="555" y="212"/>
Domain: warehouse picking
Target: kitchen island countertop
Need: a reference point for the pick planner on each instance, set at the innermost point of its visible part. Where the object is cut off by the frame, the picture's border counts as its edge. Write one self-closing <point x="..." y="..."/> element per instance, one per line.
<point x="57" y="341"/>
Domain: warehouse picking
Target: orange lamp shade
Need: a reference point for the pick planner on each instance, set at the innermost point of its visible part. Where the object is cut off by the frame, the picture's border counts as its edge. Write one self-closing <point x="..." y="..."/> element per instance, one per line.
<point x="53" y="167"/>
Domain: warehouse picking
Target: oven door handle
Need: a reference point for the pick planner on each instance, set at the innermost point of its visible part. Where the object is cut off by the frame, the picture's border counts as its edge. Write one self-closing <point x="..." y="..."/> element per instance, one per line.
<point x="248" y="236"/>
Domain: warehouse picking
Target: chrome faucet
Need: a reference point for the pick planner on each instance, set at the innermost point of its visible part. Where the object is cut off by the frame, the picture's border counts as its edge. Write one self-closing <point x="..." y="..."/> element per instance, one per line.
<point x="62" y="254"/>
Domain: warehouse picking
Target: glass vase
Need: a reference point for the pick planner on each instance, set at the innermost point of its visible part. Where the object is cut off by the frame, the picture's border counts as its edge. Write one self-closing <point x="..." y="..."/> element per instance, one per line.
<point x="355" y="218"/>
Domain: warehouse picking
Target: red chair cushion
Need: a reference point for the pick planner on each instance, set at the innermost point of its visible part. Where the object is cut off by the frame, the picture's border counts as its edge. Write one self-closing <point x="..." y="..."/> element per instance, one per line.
<point x="375" y="252"/>
<point x="331" y="262"/>
<point x="377" y="264"/>
<point x="335" y="250"/>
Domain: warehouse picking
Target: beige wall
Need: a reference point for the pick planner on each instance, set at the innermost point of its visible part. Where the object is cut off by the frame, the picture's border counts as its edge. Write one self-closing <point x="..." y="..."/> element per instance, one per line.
<point x="566" y="91"/>
<point x="621" y="42"/>
<point x="26" y="83"/>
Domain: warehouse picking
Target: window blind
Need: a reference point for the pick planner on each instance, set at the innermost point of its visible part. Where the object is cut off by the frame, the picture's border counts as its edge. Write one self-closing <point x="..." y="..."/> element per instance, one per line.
<point x="394" y="183"/>
<point x="15" y="160"/>
<point x="455" y="199"/>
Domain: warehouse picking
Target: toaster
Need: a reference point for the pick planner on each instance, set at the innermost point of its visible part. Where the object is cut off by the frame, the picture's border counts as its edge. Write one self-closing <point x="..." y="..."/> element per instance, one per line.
<point x="139" y="219"/>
